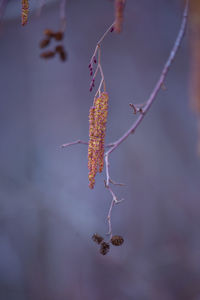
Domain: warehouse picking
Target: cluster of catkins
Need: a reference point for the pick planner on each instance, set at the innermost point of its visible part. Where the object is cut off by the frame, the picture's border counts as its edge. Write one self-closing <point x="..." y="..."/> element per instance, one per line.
<point x="97" y="128"/>
<point x="59" y="49"/>
<point x="116" y="240"/>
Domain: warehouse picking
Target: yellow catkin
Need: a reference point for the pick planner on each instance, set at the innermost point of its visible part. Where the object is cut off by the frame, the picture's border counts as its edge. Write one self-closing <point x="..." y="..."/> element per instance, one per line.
<point x="24" y="14"/>
<point x="119" y="15"/>
<point x="97" y="128"/>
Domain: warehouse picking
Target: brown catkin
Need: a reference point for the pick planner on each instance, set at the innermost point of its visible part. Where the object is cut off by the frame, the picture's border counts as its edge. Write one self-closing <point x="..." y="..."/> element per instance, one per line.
<point x="49" y="33"/>
<point x="195" y="61"/>
<point x="195" y="55"/>
<point x="119" y="15"/>
<point x="47" y="54"/>
<point x="24" y="12"/>
<point x="97" y="128"/>
<point x="44" y="43"/>
<point x="58" y="35"/>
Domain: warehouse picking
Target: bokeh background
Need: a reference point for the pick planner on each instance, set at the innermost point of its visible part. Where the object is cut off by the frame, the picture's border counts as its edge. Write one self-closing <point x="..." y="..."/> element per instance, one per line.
<point x="47" y="212"/>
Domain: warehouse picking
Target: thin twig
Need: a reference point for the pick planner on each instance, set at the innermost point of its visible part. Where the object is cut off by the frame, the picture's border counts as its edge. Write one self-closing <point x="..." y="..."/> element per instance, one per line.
<point x="40" y="7"/>
<point x="96" y="58"/>
<point x="145" y="109"/>
<point x="84" y="143"/>
<point x="63" y="18"/>
<point x="74" y="143"/>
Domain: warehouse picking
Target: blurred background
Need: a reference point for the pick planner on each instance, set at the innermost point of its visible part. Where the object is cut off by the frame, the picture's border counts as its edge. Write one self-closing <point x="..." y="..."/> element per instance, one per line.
<point x="47" y="211"/>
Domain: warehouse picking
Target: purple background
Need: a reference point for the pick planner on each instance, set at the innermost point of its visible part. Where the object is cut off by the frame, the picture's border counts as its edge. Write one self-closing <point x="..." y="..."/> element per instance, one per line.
<point x="47" y="212"/>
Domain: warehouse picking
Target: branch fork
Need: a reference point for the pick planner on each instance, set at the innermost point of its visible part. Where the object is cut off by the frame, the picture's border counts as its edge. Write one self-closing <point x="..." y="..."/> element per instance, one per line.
<point x="141" y="109"/>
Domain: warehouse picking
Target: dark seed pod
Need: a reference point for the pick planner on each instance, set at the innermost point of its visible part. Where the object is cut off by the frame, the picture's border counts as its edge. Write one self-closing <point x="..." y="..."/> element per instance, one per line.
<point x="49" y="33"/>
<point x="58" y="35"/>
<point x="117" y="240"/>
<point x="47" y="54"/>
<point x="97" y="238"/>
<point x="63" y="55"/>
<point x="104" y="249"/>
<point x="59" y="48"/>
<point x="44" y="43"/>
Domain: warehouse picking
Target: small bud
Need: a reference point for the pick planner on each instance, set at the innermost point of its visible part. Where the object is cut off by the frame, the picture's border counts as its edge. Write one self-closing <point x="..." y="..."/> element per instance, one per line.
<point x="44" y="43"/>
<point x="104" y="249"/>
<point x="117" y="240"/>
<point x="89" y="66"/>
<point x="47" y="54"/>
<point x="91" y="73"/>
<point x="97" y="238"/>
<point x="90" y="88"/>
<point x="112" y="29"/>
<point x="94" y="59"/>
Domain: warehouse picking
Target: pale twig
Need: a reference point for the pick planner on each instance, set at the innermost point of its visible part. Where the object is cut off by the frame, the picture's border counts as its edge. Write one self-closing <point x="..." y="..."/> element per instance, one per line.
<point x="74" y="143"/>
<point x="113" y="202"/>
<point x="40" y="7"/>
<point x="84" y="143"/>
<point x="96" y="58"/>
<point x="63" y="18"/>
<point x="145" y="109"/>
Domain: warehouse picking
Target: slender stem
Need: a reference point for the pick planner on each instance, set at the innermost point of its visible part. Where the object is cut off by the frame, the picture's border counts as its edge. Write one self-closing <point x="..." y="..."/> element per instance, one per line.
<point x="63" y="17"/>
<point x="74" y="143"/>
<point x="147" y="106"/>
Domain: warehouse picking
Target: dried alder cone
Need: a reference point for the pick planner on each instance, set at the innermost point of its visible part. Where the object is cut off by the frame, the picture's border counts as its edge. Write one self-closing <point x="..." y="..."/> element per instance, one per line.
<point x="25" y="7"/>
<point x="119" y="15"/>
<point x="117" y="240"/>
<point x="97" y="238"/>
<point x="97" y="129"/>
<point x="104" y="249"/>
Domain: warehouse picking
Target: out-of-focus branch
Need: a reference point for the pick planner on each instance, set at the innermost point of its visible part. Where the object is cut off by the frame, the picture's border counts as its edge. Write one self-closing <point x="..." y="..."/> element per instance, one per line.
<point x="3" y="4"/>
<point x="194" y="23"/>
<point x="63" y="17"/>
<point x="144" y="110"/>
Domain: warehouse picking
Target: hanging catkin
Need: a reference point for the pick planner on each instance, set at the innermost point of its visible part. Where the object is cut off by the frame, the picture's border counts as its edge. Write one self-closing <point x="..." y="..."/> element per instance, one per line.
<point x="24" y="12"/>
<point x="97" y="129"/>
<point x="195" y="60"/>
<point x="119" y="15"/>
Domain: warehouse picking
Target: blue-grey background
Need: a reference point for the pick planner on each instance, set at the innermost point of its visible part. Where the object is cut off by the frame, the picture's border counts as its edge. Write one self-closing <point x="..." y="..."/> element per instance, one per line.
<point x="47" y="211"/>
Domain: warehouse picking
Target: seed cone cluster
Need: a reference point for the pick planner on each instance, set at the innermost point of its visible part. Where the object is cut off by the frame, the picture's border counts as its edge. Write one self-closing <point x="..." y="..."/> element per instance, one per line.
<point x="24" y="13"/>
<point x="97" y="129"/>
<point x="116" y="240"/>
